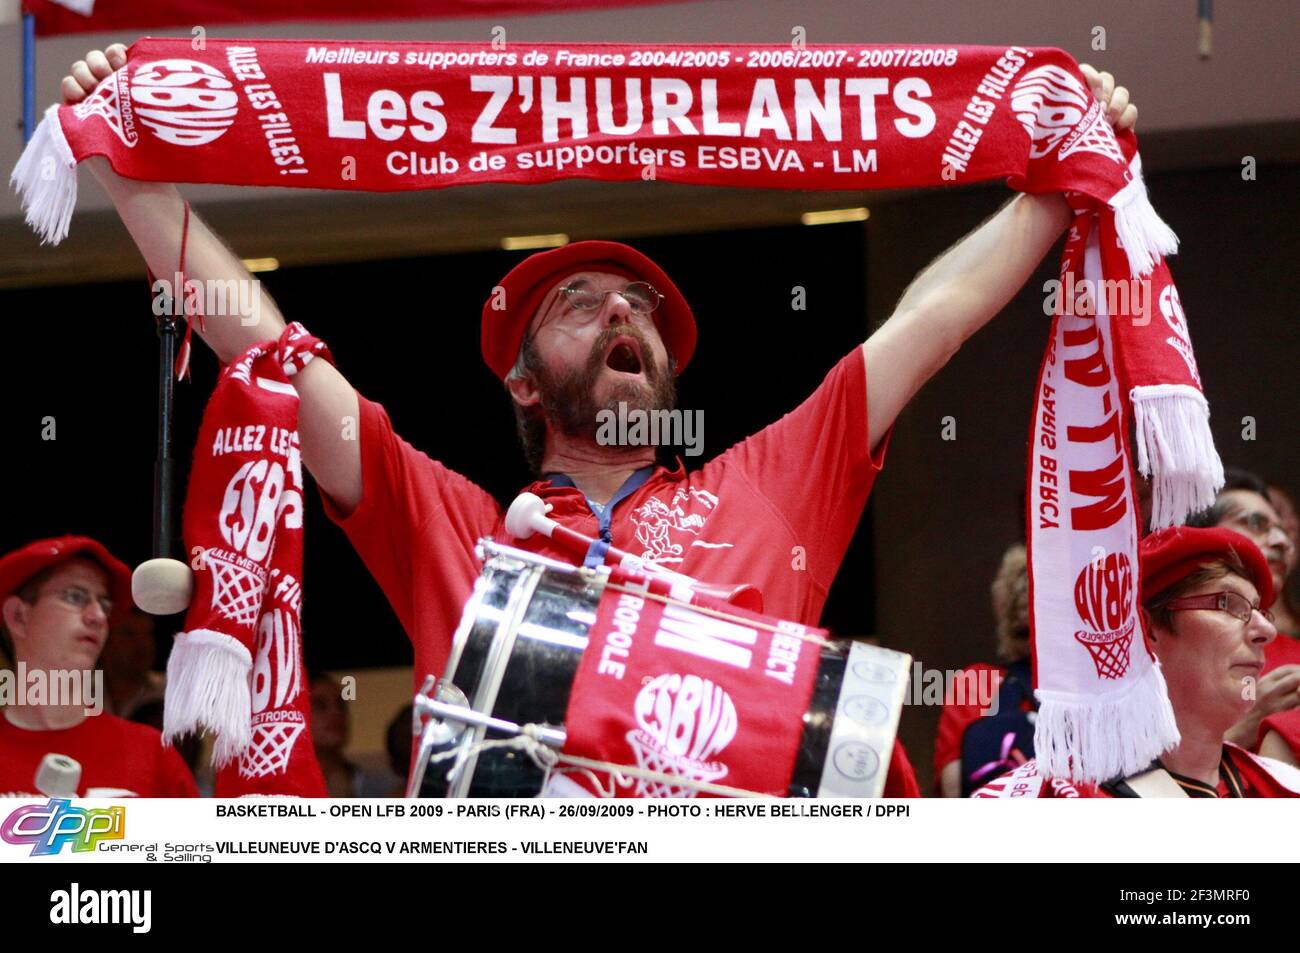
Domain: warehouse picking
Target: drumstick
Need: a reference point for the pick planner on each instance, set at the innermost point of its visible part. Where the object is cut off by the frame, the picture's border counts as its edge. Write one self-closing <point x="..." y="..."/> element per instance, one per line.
<point x="527" y="515"/>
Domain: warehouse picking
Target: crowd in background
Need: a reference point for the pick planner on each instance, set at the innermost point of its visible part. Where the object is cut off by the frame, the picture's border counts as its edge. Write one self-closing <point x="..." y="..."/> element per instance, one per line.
<point x="983" y="734"/>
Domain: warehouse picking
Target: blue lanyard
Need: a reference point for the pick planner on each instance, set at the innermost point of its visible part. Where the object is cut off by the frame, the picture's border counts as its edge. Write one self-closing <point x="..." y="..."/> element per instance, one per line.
<point x="604" y="516"/>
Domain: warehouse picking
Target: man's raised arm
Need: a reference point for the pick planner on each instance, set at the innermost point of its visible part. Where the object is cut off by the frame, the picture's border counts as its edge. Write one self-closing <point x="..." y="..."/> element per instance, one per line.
<point x="153" y="213"/>
<point x="962" y="289"/>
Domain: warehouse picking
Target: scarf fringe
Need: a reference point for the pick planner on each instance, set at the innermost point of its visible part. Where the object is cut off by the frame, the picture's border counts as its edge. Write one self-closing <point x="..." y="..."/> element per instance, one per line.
<point x="208" y="689"/>
<point x="46" y="180"/>
<point x="1143" y="233"/>
<point x="1096" y="739"/>
<point x="1175" y="449"/>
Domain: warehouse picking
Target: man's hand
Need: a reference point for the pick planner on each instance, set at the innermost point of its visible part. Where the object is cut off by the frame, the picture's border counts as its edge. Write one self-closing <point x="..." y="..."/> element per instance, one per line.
<point x="1120" y="113"/>
<point x="86" y="74"/>
<point x="962" y="289"/>
<point x="1278" y="690"/>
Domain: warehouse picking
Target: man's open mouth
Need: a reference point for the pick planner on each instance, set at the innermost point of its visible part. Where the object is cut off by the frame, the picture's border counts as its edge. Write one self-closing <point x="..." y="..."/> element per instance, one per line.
<point x="624" y="356"/>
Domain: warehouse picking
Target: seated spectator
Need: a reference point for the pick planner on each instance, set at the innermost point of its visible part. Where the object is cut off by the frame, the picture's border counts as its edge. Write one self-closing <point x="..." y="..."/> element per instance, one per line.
<point x="978" y="738"/>
<point x="399" y="741"/>
<point x="1245" y="505"/>
<point x="331" y="730"/>
<point x="59" y="597"/>
<point x="127" y="662"/>
<point x="1205" y="600"/>
<point x="1287" y="608"/>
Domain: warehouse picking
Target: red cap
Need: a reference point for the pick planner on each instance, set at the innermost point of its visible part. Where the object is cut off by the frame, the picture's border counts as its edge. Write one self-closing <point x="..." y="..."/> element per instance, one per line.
<point x="506" y="316"/>
<point x="1172" y="554"/>
<point x="17" y="567"/>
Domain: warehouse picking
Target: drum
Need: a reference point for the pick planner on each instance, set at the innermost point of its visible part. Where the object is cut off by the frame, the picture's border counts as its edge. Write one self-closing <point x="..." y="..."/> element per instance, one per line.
<point x="514" y="658"/>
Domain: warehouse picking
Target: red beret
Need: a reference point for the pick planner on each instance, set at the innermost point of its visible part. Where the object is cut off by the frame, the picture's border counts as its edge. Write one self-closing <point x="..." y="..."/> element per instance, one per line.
<point x="17" y="567"/>
<point x="1172" y="554"/>
<point x="506" y="316"/>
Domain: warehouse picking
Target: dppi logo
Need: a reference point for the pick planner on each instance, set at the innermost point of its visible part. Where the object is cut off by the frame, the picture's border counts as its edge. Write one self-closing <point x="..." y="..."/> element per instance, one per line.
<point x="1103" y="596"/>
<point x="183" y="102"/>
<point x="50" y="827"/>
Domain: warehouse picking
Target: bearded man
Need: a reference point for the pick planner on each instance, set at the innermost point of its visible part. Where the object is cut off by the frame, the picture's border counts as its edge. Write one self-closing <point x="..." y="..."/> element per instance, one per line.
<point x="582" y="329"/>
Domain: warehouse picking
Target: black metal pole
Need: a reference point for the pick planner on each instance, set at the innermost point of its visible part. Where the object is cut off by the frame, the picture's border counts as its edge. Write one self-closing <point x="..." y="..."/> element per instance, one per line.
<point x="164" y="465"/>
<point x="29" y="76"/>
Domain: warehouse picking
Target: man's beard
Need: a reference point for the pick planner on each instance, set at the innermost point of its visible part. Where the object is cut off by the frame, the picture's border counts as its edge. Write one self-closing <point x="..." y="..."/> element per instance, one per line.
<point x="569" y="398"/>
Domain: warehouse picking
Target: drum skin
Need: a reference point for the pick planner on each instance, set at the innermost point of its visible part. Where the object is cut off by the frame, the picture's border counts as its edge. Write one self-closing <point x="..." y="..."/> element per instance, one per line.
<point x="539" y="675"/>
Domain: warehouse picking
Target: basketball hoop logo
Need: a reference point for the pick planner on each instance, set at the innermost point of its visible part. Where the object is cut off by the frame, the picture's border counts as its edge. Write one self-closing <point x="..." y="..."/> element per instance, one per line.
<point x="276" y="682"/>
<point x="111" y="103"/>
<point x="684" y="722"/>
<point x="1057" y="109"/>
<point x="183" y="102"/>
<point x="1103" y="597"/>
<point x="1171" y="308"/>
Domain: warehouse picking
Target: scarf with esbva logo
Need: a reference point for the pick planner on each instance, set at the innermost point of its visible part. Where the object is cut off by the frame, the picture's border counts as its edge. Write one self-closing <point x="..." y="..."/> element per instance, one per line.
<point x="236" y="669"/>
<point x="392" y="116"/>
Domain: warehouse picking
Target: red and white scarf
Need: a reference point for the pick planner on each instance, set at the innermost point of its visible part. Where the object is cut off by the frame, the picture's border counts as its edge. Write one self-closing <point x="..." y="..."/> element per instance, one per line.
<point x="237" y="668"/>
<point x="391" y="116"/>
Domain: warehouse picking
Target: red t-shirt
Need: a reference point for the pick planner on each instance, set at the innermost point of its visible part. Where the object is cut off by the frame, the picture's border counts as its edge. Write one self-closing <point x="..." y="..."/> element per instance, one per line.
<point x="777" y="510"/>
<point x="1242" y="774"/>
<point x="957" y="715"/>
<point x="976" y="688"/>
<point x="118" y="758"/>
<point x="1286" y="724"/>
<point x="1283" y="650"/>
<point x="901" y="779"/>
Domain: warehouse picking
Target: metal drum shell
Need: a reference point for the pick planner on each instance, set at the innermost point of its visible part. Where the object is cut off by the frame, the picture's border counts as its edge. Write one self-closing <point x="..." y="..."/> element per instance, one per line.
<point x="538" y="675"/>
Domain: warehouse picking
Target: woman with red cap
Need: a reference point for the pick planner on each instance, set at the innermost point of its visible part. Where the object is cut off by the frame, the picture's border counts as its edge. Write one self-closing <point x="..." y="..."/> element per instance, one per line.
<point x="58" y="598"/>
<point x="1205" y="598"/>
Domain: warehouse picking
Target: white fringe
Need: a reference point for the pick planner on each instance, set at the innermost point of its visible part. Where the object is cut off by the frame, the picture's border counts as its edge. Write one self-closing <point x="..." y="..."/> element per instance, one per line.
<point x="1176" y="450"/>
<point x="46" y="180"/>
<point x="1091" y="739"/>
<point x="1145" y="236"/>
<point x="208" y="689"/>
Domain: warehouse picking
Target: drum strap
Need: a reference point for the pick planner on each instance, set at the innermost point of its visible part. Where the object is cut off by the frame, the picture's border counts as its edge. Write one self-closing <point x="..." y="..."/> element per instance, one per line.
<point x="1154" y="782"/>
<point x="605" y="514"/>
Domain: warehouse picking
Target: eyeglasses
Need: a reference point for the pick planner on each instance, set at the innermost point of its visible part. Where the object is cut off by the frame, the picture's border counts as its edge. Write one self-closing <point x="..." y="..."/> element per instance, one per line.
<point x="640" y="296"/>
<point x="80" y="599"/>
<point x="1260" y="524"/>
<point x="1233" y="603"/>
